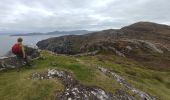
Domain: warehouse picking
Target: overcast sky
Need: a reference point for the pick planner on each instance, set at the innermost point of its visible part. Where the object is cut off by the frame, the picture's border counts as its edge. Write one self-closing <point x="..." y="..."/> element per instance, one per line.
<point x="50" y="15"/>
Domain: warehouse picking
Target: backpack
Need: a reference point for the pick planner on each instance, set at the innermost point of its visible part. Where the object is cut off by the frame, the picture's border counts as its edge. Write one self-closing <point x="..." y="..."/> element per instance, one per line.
<point x="16" y="49"/>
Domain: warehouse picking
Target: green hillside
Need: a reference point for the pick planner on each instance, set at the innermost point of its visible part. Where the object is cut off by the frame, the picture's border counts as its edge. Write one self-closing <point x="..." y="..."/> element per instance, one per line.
<point x="20" y="86"/>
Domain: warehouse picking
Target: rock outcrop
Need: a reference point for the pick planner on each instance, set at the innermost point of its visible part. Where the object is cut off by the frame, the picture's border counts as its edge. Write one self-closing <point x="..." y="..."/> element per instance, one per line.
<point x="72" y="44"/>
<point x="76" y="91"/>
<point x="142" y="95"/>
<point x="10" y="61"/>
<point x="124" y="47"/>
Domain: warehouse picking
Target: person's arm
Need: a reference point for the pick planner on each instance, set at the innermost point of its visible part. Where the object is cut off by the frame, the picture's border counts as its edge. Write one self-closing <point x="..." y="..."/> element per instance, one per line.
<point x="23" y="51"/>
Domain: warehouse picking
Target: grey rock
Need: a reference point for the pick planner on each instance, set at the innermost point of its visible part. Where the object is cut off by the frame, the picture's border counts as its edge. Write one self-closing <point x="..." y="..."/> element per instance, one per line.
<point x="122" y="81"/>
<point x="76" y="91"/>
<point x="10" y="61"/>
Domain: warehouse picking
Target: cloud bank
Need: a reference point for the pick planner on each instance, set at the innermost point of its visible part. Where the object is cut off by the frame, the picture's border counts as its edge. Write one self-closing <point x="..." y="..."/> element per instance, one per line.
<point x="50" y="15"/>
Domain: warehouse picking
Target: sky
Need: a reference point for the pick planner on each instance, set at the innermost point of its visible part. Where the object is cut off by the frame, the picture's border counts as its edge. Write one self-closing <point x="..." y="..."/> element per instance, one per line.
<point x="66" y="15"/>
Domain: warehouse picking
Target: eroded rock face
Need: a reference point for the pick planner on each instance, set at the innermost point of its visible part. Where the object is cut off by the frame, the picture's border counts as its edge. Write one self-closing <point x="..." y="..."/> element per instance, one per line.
<point x="10" y="61"/>
<point x="76" y="91"/>
<point x="120" y="47"/>
<point x="126" y="47"/>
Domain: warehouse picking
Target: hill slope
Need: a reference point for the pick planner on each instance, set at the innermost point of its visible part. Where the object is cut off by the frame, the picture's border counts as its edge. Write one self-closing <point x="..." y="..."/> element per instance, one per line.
<point x="145" y="42"/>
<point x="106" y="65"/>
<point x="33" y="84"/>
<point x="148" y="31"/>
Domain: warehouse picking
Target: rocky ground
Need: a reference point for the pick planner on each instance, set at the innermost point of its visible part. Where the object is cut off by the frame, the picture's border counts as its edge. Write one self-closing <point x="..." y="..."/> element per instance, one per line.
<point x="121" y="80"/>
<point x="76" y="91"/>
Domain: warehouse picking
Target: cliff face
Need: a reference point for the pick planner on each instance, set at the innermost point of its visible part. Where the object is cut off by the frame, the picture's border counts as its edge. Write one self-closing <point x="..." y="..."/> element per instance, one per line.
<point x="142" y="41"/>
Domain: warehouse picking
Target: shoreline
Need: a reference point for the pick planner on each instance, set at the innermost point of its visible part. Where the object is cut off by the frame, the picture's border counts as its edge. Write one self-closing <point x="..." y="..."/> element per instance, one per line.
<point x="6" y="42"/>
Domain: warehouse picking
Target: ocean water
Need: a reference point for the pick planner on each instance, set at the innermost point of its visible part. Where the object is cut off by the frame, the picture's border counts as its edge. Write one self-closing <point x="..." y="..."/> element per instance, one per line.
<point x="7" y="41"/>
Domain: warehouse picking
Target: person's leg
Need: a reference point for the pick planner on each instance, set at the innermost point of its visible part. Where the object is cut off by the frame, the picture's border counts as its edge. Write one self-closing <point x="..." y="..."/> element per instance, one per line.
<point x="19" y="62"/>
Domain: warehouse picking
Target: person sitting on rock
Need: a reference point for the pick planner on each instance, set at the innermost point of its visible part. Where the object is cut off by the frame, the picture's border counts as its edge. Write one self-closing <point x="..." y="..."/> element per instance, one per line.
<point x="18" y="50"/>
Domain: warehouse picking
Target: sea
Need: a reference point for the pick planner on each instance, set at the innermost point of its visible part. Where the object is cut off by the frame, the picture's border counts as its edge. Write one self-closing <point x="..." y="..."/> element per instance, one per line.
<point x="7" y="41"/>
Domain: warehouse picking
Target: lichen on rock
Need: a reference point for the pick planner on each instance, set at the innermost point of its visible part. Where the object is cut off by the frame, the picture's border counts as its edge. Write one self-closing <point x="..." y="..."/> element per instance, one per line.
<point x="76" y="91"/>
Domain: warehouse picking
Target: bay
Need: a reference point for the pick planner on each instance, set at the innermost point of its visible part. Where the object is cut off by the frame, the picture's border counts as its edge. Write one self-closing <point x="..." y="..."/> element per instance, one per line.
<point x="7" y="41"/>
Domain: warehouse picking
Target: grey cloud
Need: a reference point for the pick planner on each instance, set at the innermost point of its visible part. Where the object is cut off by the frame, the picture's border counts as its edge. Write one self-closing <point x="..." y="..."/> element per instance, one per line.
<point x="50" y="15"/>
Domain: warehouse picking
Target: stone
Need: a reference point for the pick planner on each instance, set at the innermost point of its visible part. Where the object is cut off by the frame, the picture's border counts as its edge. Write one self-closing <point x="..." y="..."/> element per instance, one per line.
<point x="10" y="61"/>
<point x="76" y="91"/>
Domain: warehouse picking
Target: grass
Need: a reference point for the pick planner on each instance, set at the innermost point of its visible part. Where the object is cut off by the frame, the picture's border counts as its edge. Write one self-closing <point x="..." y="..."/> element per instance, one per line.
<point x="18" y="85"/>
<point x="157" y="83"/>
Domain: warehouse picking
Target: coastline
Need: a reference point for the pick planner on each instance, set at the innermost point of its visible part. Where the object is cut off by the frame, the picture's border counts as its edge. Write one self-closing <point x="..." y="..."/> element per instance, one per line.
<point x="6" y="42"/>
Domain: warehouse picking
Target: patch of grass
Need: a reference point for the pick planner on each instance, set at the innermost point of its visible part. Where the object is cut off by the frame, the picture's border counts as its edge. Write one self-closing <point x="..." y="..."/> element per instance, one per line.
<point x="104" y="82"/>
<point x="81" y="72"/>
<point x="17" y="86"/>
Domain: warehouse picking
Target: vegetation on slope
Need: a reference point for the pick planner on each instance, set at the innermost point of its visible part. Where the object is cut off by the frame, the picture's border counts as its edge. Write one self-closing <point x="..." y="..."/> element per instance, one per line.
<point x="19" y="86"/>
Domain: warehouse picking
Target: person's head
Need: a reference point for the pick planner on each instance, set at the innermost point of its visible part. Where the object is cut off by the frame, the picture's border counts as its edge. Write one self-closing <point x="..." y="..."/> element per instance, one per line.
<point x="19" y="40"/>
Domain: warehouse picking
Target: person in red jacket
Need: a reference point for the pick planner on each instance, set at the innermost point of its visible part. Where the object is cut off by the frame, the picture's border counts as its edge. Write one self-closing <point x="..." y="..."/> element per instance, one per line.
<point x="18" y="50"/>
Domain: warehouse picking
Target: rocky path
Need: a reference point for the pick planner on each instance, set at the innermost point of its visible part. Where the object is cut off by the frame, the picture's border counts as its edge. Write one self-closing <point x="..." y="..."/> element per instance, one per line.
<point x="76" y="91"/>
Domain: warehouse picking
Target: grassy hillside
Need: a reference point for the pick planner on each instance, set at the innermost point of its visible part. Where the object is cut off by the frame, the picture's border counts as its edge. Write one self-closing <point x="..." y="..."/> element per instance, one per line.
<point x="19" y="85"/>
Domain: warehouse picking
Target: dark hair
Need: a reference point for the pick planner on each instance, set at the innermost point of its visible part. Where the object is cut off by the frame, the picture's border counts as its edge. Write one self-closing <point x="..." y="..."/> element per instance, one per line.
<point x="19" y="39"/>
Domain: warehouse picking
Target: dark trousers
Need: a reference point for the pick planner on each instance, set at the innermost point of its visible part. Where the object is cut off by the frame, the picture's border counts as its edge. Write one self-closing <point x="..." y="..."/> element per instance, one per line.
<point x="21" y="61"/>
